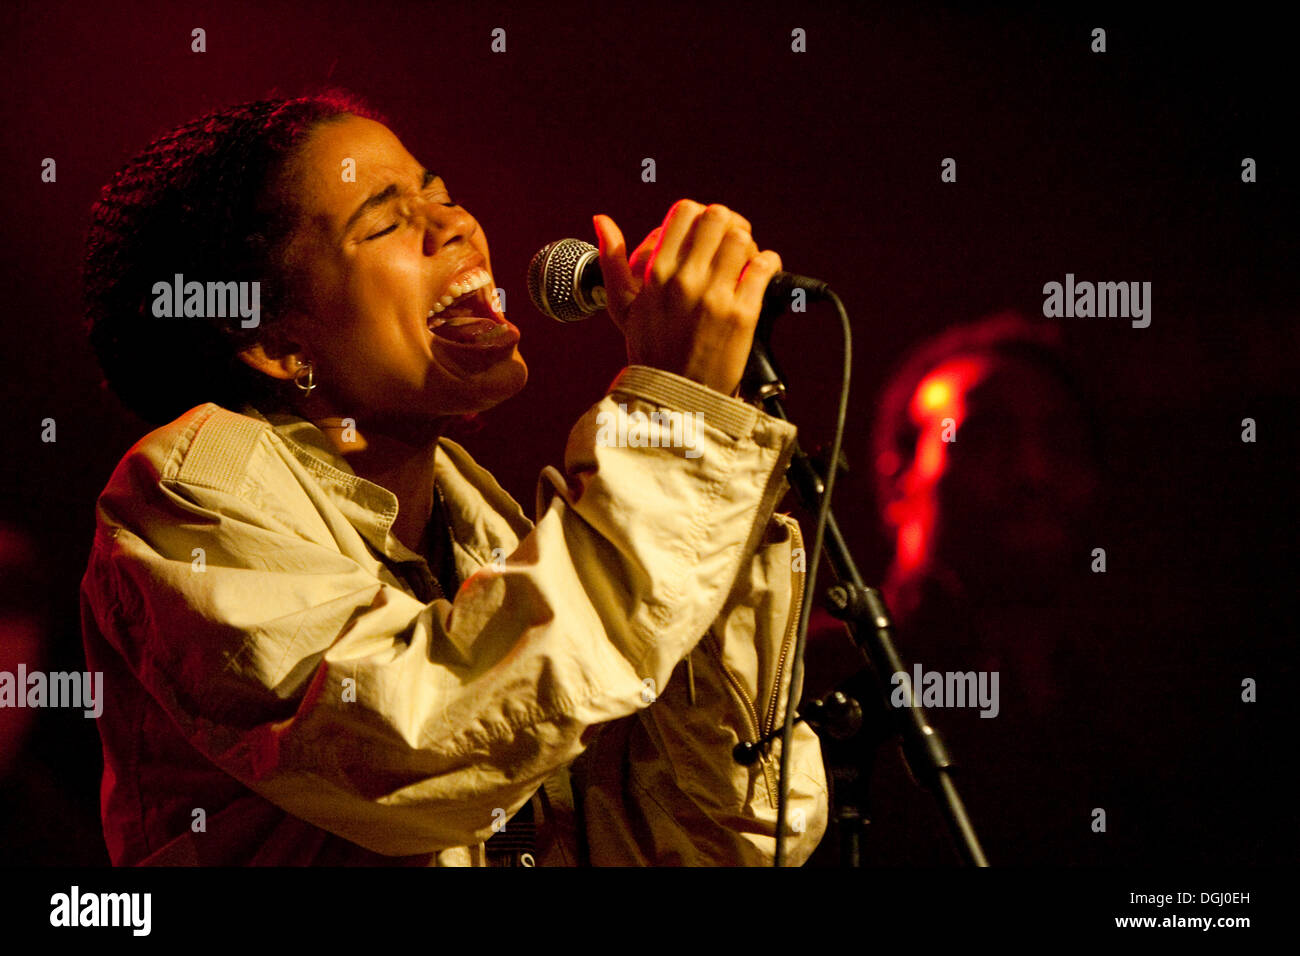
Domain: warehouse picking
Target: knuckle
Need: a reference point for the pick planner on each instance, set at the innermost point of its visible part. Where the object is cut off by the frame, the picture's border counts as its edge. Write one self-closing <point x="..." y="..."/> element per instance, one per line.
<point x="738" y="235"/>
<point x="742" y="322"/>
<point x="717" y="213"/>
<point x="718" y="301"/>
<point x="685" y="207"/>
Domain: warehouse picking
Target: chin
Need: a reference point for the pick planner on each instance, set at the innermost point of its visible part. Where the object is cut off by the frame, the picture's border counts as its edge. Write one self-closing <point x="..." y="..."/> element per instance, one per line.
<point x="491" y="387"/>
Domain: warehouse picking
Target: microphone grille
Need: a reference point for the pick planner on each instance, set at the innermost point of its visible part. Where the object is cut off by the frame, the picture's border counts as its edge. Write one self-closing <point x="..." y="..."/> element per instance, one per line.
<point x="551" y="277"/>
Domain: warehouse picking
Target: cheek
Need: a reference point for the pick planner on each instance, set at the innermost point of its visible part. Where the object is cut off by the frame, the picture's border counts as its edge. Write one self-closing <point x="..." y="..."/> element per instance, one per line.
<point x="373" y="362"/>
<point x="376" y="321"/>
<point x="480" y="243"/>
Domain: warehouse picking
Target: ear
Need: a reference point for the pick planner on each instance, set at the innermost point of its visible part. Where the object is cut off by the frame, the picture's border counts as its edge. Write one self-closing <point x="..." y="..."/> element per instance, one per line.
<point x="274" y="357"/>
<point x="283" y="367"/>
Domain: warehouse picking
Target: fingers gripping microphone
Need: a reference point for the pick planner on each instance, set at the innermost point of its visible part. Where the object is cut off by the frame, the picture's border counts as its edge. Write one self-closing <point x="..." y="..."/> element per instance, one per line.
<point x="565" y="282"/>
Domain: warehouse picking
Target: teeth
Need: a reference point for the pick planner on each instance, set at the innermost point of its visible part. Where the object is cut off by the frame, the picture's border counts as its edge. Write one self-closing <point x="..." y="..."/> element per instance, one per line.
<point x="467" y="282"/>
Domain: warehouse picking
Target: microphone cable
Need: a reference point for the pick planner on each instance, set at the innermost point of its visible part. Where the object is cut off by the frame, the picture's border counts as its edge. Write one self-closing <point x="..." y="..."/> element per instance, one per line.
<point x="810" y="583"/>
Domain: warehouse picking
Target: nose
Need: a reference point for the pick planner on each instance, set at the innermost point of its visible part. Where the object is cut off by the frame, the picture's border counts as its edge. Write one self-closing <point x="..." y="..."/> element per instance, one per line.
<point x="445" y="223"/>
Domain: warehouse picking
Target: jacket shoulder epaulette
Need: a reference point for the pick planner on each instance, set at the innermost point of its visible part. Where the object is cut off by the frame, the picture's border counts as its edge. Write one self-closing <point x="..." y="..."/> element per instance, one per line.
<point x="208" y="446"/>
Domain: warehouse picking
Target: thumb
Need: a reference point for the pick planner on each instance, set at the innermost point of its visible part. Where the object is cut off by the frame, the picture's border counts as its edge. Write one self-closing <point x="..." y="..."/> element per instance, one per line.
<point x="620" y="286"/>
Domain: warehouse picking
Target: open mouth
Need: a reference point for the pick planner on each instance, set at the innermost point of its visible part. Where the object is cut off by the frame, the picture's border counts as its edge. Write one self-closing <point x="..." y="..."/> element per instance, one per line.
<point x="468" y="313"/>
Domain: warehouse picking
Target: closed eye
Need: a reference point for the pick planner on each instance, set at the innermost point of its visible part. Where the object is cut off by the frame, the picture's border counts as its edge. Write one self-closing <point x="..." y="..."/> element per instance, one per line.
<point x="429" y="180"/>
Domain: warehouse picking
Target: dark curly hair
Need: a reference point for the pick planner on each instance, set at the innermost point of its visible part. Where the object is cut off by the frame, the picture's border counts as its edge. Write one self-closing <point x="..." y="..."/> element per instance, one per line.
<point x="204" y="200"/>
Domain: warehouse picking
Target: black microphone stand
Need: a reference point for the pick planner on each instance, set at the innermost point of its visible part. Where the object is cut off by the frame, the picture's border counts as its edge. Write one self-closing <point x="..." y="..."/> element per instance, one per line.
<point x="864" y="612"/>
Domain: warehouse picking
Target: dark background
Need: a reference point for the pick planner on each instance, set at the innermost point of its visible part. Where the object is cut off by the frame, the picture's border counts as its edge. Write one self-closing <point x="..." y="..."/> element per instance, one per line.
<point x="1116" y="166"/>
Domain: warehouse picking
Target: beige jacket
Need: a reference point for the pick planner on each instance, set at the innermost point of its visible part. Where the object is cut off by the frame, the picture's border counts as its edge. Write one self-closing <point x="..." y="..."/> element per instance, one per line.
<point x="285" y="685"/>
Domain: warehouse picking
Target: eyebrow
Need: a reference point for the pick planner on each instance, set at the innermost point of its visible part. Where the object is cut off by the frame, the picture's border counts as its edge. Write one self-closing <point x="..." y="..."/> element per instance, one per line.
<point x="385" y="195"/>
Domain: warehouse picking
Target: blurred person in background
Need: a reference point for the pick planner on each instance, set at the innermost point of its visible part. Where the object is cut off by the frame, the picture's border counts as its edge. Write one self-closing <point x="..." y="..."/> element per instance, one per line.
<point x="986" y="458"/>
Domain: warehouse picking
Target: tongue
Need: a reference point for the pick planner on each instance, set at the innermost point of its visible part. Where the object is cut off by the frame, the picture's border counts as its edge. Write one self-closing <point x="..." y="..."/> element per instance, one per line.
<point x="465" y="333"/>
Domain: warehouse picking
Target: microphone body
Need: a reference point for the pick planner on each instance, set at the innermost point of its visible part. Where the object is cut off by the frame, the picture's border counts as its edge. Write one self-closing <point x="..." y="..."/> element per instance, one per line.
<point x="565" y="282"/>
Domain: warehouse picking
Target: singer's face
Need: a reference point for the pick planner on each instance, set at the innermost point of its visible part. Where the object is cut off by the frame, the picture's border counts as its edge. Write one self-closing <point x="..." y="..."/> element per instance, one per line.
<point x="379" y="244"/>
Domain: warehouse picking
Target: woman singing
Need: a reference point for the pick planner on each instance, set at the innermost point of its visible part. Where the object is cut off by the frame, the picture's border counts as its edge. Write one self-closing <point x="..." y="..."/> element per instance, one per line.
<point x="327" y="635"/>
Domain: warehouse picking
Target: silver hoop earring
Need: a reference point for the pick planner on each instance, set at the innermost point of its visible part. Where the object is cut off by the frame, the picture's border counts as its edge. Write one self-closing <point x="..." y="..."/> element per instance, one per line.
<point x="308" y="382"/>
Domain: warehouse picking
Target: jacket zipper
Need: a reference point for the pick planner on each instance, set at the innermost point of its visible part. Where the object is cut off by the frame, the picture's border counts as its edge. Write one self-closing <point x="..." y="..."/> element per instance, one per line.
<point x="795" y="611"/>
<point x="769" y="494"/>
<point x="765" y="726"/>
<point x="750" y="711"/>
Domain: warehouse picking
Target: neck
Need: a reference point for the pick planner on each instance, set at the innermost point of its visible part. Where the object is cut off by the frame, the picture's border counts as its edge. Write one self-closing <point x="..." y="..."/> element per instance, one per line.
<point x="402" y="464"/>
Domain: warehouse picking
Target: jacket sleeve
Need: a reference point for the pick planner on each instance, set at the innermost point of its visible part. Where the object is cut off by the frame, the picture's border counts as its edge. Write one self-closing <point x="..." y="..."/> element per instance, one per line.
<point x="663" y="786"/>
<point x="408" y="727"/>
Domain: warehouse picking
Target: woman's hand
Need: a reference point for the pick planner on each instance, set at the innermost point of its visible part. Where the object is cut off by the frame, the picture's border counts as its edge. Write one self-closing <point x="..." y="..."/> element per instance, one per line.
<point x="688" y="298"/>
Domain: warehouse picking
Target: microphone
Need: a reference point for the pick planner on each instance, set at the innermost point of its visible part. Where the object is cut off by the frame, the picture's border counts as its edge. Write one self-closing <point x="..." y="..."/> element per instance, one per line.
<point x="565" y="282"/>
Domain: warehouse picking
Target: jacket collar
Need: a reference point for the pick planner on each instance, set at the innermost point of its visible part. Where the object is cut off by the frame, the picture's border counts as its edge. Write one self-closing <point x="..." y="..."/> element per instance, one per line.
<point x="483" y="516"/>
<point x="368" y="507"/>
